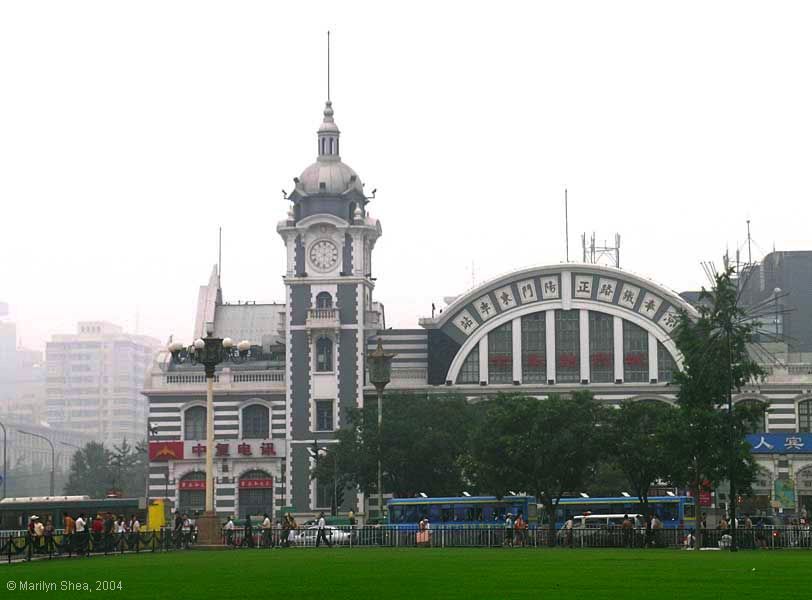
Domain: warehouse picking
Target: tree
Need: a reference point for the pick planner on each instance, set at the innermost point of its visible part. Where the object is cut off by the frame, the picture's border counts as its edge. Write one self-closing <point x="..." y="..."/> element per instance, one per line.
<point x="90" y="471"/>
<point x="706" y="444"/>
<point x="546" y="447"/>
<point x="423" y="440"/>
<point x="636" y="442"/>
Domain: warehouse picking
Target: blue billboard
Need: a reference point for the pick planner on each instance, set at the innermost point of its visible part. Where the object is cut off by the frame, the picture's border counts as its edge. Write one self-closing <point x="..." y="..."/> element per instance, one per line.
<point x="781" y="443"/>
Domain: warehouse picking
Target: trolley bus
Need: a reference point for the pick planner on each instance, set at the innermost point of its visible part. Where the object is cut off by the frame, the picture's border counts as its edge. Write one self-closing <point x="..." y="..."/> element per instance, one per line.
<point x="463" y="511"/>
<point x="15" y="512"/>
<point x="674" y="511"/>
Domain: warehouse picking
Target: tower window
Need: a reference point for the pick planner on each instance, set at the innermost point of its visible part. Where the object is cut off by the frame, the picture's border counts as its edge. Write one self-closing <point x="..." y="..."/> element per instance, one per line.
<point x="324" y="300"/>
<point x="324" y="355"/>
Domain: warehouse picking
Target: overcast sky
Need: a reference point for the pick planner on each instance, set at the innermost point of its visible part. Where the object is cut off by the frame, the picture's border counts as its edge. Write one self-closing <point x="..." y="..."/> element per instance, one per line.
<point x="129" y="131"/>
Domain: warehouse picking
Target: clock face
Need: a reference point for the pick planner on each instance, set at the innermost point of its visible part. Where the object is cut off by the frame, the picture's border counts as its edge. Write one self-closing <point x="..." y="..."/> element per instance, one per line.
<point x="323" y="255"/>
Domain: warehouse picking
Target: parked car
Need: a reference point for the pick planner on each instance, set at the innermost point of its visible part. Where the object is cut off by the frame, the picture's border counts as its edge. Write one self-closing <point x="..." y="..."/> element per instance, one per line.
<point x="307" y="536"/>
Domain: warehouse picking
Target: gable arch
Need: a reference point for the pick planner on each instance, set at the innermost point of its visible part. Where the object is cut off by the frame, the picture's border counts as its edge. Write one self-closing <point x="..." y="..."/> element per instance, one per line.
<point x="653" y="398"/>
<point x="550" y="305"/>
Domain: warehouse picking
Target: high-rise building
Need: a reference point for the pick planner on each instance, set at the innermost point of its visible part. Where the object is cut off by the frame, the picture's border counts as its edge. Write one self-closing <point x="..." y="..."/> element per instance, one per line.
<point x="94" y="380"/>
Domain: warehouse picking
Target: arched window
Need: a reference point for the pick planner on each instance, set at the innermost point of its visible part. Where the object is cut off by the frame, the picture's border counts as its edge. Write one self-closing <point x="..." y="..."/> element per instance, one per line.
<point x="601" y="347"/>
<point x="324" y="355"/>
<point x="324" y="300"/>
<point x="469" y="371"/>
<point x="192" y="492"/>
<point x="635" y="353"/>
<point x="567" y="346"/>
<point x="256" y="493"/>
<point x="805" y="416"/>
<point x="666" y="365"/>
<point x="194" y="423"/>
<point x="756" y="409"/>
<point x="256" y="422"/>
<point x="534" y="348"/>
<point x="500" y="354"/>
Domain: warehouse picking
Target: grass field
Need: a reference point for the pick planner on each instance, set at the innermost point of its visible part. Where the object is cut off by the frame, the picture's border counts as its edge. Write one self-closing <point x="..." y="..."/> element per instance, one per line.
<point x="428" y="573"/>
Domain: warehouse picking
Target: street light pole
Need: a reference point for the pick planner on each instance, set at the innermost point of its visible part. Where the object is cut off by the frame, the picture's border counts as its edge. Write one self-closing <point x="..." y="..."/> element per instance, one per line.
<point x="53" y="454"/>
<point x="210" y="352"/>
<point x="5" y="462"/>
<point x="380" y="374"/>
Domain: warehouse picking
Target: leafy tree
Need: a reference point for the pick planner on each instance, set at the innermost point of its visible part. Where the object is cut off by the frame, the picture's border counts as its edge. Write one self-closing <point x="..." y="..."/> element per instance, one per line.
<point x="705" y="443"/>
<point x="90" y="471"/>
<point x="636" y="442"/>
<point x="545" y="447"/>
<point x="423" y="438"/>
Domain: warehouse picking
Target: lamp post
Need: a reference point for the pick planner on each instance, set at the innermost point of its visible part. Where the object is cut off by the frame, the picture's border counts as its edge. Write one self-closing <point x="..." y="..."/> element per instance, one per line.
<point x="380" y="374"/>
<point x="53" y="454"/>
<point x="5" y="462"/>
<point x="209" y="352"/>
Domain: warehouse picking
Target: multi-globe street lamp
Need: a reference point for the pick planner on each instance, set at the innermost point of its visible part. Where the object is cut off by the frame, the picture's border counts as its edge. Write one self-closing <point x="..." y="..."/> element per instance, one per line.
<point x="209" y="351"/>
<point x="380" y="374"/>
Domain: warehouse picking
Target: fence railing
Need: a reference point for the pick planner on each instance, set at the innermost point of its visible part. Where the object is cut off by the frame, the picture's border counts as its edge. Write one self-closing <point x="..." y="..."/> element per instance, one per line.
<point x="497" y="537"/>
<point x="27" y="547"/>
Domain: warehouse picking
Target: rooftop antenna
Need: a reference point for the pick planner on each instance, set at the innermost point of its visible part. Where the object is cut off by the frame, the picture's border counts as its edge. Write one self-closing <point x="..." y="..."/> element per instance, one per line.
<point x="566" y="224"/>
<point x="220" y="253"/>
<point x="749" y="249"/>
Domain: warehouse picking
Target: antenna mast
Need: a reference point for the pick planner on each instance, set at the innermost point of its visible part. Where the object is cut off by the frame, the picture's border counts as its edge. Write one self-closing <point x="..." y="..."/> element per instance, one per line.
<point x="566" y="224"/>
<point x="749" y="249"/>
<point x="220" y="253"/>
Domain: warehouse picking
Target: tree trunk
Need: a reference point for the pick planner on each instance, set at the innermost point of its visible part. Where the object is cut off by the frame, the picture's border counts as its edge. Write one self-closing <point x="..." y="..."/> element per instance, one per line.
<point x="551" y="531"/>
<point x="697" y="515"/>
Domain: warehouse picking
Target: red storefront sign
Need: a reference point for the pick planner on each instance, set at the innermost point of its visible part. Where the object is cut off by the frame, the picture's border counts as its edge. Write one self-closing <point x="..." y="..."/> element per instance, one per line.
<point x="192" y="485"/>
<point x="256" y="484"/>
<point x="705" y="498"/>
<point x="165" y="451"/>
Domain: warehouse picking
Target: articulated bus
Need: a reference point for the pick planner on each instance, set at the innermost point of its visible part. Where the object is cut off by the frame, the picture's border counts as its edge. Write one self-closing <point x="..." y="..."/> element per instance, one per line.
<point x="463" y="511"/>
<point x="674" y="511"/>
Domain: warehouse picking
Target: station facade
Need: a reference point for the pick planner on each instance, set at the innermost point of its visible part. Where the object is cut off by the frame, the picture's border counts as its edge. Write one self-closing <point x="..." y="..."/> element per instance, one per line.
<point x="551" y="329"/>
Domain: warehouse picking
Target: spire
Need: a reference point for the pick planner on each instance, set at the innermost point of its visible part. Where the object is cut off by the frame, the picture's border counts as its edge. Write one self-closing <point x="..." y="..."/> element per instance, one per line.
<point x="328" y="132"/>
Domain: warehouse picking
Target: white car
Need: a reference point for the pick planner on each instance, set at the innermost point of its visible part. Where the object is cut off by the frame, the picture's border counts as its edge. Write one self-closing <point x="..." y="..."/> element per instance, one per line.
<point x="307" y="537"/>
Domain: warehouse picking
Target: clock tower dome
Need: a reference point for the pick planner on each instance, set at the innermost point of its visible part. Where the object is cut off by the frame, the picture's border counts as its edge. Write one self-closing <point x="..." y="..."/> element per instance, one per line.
<point x="329" y="237"/>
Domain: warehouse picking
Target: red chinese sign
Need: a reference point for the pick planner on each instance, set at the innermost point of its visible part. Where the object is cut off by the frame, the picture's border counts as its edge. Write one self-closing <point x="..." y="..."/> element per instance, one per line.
<point x="568" y="361"/>
<point x="192" y="485"/>
<point x="159" y="451"/>
<point x="256" y="484"/>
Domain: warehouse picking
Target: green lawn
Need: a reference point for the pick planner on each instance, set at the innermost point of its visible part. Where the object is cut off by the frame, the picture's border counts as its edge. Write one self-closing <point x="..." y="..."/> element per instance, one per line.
<point x="431" y="573"/>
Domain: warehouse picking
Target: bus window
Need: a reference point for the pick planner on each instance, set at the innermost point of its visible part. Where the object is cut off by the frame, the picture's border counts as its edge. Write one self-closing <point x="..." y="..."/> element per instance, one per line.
<point x="434" y="513"/>
<point x="689" y="509"/>
<point x="446" y="513"/>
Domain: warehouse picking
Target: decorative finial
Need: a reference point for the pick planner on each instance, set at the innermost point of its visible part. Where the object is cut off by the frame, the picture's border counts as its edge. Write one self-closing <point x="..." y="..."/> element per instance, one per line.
<point x="328" y="69"/>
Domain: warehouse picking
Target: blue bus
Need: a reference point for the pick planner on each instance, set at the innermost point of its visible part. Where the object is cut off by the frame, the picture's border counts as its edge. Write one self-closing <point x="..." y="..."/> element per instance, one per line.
<point x="463" y="511"/>
<point x="674" y="511"/>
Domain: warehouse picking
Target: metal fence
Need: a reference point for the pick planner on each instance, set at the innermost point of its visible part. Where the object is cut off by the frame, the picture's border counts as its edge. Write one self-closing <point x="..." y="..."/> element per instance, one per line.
<point x="16" y="546"/>
<point x="499" y="537"/>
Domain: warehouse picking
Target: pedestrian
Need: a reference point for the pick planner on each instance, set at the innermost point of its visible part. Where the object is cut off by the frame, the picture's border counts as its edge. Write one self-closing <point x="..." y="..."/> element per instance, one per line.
<point x="508" y="531"/>
<point x="188" y="530"/>
<point x="656" y="526"/>
<point x="229" y="531"/>
<point x="82" y="546"/>
<point x="249" y="532"/>
<point x="49" y="534"/>
<point x="135" y="531"/>
<point x="285" y="531"/>
<point x="39" y="533"/>
<point x="320" y="535"/>
<point x="108" y="528"/>
<point x="518" y="528"/>
<point x="626" y="531"/>
<point x="177" y="530"/>
<point x="569" y="525"/>
<point x="67" y="534"/>
<point x="266" y="531"/>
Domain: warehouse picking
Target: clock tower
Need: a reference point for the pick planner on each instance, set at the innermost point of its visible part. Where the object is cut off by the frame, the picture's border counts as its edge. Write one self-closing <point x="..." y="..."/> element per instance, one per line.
<point x="329" y="312"/>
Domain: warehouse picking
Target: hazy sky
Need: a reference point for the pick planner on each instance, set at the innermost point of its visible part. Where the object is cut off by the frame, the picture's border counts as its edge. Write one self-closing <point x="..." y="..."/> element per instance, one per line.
<point x="129" y="131"/>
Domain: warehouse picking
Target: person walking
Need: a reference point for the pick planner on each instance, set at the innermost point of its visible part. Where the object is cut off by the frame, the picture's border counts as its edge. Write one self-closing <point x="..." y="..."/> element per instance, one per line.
<point x="67" y="535"/>
<point x="321" y="532"/>
<point x="266" y="531"/>
<point x="81" y="546"/>
<point x="508" y="542"/>
<point x="249" y="532"/>
<point x="569" y="525"/>
<point x="229" y="531"/>
<point x="626" y="531"/>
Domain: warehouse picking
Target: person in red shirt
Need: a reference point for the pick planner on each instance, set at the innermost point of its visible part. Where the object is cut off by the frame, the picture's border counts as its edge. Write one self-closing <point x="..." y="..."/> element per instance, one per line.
<point x="97" y="527"/>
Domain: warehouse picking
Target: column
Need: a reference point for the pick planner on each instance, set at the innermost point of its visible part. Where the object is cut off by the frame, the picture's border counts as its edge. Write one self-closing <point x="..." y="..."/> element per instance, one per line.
<point x="483" y="359"/>
<point x="549" y="324"/>
<point x="618" y="335"/>
<point x="583" y="331"/>
<point x="517" y="349"/>
<point x="653" y="358"/>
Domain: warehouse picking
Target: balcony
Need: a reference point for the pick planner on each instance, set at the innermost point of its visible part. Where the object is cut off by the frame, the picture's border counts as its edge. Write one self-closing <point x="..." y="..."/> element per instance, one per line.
<point x="225" y="380"/>
<point x="322" y="318"/>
